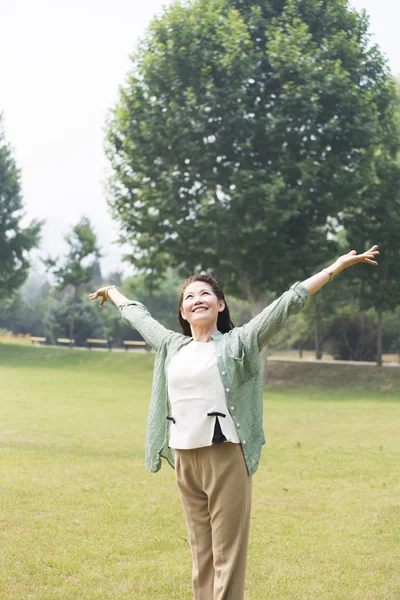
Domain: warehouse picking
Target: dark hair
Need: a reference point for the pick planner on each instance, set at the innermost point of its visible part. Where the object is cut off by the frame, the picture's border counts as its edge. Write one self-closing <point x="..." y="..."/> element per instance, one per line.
<point x="224" y="323"/>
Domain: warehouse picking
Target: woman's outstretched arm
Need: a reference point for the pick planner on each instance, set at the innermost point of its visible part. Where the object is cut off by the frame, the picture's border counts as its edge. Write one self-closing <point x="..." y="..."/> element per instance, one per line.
<point x="271" y="320"/>
<point x="314" y="283"/>
<point x="134" y="314"/>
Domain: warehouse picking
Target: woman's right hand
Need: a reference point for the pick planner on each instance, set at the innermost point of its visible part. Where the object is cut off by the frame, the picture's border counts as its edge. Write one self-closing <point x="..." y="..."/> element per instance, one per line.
<point x="100" y="293"/>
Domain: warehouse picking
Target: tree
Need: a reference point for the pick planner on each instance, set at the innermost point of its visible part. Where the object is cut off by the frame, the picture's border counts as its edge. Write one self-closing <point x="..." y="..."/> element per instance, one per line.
<point x="79" y="265"/>
<point x="242" y="132"/>
<point x="15" y="241"/>
<point x="377" y="217"/>
<point x="319" y="313"/>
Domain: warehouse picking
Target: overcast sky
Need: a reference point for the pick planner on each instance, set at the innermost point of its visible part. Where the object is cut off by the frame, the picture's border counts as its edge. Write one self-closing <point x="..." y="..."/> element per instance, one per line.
<point x="61" y="64"/>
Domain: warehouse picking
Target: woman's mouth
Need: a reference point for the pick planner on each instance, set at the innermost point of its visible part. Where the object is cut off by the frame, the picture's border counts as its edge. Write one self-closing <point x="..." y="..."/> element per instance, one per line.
<point x="200" y="308"/>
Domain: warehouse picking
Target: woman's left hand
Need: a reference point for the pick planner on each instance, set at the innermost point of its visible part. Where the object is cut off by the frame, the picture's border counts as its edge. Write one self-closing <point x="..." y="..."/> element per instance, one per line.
<point x="352" y="258"/>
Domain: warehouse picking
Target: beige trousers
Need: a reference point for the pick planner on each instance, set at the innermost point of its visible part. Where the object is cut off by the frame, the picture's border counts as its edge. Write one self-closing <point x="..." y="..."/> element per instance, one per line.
<point x="215" y="490"/>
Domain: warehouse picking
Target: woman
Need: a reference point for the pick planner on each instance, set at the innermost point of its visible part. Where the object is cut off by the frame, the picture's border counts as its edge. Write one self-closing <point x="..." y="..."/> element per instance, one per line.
<point x="206" y="414"/>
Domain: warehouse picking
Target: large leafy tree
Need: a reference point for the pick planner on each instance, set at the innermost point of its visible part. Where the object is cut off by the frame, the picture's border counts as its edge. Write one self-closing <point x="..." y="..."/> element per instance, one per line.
<point x="15" y="240"/>
<point x="378" y="219"/>
<point x="79" y="265"/>
<point x="243" y="131"/>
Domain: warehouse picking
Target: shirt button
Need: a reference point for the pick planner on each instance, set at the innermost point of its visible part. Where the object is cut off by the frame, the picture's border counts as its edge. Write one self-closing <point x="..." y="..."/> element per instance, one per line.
<point x="223" y="373"/>
<point x="227" y="389"/>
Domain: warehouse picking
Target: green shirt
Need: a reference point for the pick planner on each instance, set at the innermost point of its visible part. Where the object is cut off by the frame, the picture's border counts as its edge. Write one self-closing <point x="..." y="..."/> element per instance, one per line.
<point x="239" y="365"/>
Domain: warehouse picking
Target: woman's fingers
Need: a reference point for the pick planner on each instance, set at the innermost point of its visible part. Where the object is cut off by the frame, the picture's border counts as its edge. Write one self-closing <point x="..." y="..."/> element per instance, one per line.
<point x="372" y="250"/>
<point x="371" y="253"/>
<point x="96" y="295"/>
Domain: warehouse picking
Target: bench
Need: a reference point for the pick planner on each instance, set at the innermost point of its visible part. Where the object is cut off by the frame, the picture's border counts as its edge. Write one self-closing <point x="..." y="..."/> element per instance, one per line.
<point x="98" y="342"/>
<point x="38" y="340"/>
<point x="135" y="343"/>
<point x="65" y="341"/>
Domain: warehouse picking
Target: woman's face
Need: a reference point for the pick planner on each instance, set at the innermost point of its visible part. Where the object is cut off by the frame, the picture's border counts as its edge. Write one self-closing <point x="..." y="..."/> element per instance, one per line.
<point x="200" y="305"/>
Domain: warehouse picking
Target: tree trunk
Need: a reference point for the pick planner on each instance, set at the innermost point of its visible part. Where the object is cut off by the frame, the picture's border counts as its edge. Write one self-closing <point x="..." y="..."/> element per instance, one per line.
<point x="379" y="339"/>
<point x="360" y="353"/>
<point x="319" y="350"/>
<point x="72" y="321"/>
<point x="300" y="351"/>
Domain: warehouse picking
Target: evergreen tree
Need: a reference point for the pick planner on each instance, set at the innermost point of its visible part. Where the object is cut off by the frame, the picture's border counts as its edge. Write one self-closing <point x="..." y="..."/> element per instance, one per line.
<point x="15" y="240"/>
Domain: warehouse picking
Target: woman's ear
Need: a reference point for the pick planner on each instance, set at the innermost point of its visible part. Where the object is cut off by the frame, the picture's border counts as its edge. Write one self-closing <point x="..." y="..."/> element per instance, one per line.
<point x="182" y="313"/>
<point x="221" y="305"/>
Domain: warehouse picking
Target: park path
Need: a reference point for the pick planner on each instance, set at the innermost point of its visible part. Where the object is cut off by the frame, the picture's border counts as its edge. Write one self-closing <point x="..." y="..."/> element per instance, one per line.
<point x="332" y="361"/>
<point x="272" y="358"/>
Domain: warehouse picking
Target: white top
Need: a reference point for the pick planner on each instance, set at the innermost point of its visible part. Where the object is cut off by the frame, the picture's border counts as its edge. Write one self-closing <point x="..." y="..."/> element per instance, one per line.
<point x="195" y="389"/>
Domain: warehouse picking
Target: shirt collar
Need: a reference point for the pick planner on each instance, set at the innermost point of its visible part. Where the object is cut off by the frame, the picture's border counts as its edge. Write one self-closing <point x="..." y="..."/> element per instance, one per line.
<point x="216" y="335"/>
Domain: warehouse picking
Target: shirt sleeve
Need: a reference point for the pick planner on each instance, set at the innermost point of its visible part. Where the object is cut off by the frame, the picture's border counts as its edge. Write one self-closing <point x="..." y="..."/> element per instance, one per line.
<point x="136" y="314"/>
<point x="273" y="318"/>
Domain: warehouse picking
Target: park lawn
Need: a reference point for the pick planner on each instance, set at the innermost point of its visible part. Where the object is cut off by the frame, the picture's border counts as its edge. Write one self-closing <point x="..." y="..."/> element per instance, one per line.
<point x="81" y="519"/>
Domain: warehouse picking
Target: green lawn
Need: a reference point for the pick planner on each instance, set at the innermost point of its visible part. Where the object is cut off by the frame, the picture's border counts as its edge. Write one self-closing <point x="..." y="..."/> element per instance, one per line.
<point x="80" y="517"/>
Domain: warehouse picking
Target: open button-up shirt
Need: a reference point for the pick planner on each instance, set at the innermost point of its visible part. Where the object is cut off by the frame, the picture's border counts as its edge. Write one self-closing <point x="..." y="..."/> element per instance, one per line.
<point x="239" y="365"/>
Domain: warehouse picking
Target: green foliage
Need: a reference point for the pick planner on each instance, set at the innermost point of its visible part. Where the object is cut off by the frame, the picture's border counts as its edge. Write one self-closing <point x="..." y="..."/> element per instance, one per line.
<point x="345" y="331"/>
<point x="242" y="134"/>
<point x="48" y="314"/>
<point x="313" y="326"/>
<point x="79" y="265"/>
<point x="15" y="241"/>
<point x="376" y="219"/>
<point x="161" y="302"/>
<point x="88" y="322"/>
<point x="352" y="335"/>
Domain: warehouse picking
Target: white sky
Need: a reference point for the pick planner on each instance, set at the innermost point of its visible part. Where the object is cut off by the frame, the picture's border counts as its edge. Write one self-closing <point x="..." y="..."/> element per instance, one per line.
<point x="61" y="64"/>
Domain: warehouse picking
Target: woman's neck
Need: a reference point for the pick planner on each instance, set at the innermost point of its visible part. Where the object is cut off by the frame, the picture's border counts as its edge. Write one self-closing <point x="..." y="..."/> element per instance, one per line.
<point x="203" y="334"/>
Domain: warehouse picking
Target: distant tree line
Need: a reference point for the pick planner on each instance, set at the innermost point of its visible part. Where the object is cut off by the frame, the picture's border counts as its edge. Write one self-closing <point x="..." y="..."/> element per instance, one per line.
<point x="42" y="308"/>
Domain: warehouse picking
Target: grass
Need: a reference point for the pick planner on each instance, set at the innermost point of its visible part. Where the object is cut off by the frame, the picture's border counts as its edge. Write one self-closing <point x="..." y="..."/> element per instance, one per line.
<point x="80" y="518"/>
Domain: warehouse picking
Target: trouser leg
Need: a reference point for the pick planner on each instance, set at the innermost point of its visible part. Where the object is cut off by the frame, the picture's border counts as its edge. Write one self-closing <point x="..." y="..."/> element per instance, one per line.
<point x="195" y="507"/>
<point x="229" y="490"/>
<point x="216" y="496"/>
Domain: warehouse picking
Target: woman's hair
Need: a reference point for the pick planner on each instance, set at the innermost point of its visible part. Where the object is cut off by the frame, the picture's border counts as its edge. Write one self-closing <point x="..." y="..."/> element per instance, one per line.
<point x="224" y="323"/>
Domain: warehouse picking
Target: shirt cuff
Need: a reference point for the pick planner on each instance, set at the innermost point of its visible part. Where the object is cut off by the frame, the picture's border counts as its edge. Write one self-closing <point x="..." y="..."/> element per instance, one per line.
<point x="301" y="291"/>
<point x="130" y="303"/>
